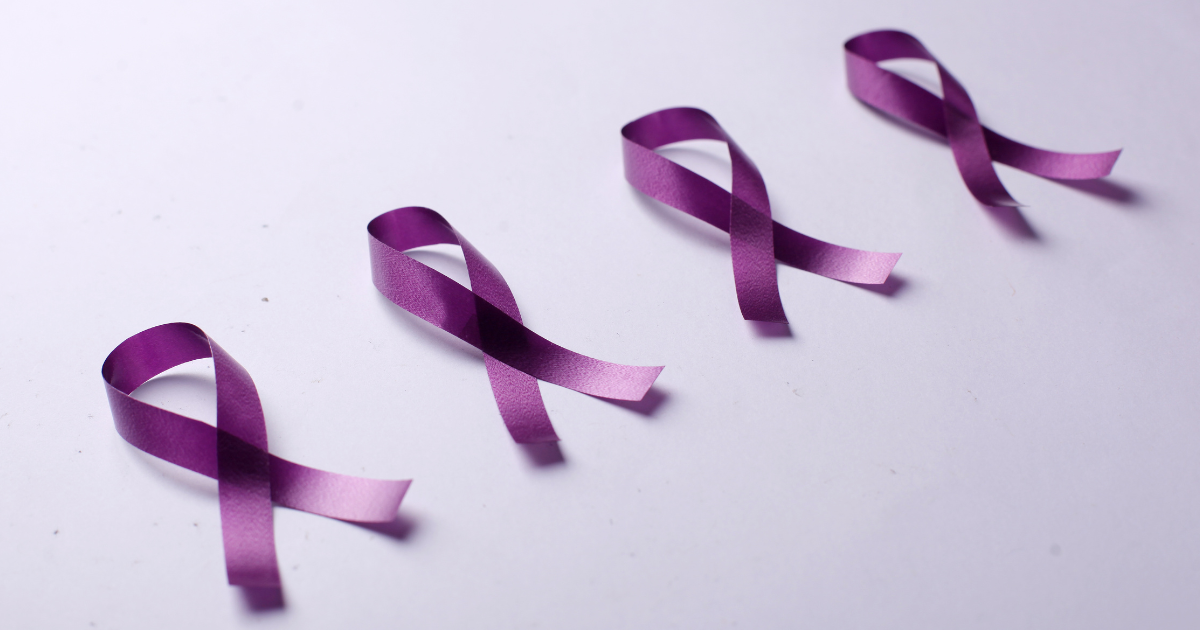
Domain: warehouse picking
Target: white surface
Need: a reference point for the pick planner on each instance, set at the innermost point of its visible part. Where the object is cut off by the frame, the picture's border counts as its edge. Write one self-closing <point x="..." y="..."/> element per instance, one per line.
<point x="1008" y="442"/>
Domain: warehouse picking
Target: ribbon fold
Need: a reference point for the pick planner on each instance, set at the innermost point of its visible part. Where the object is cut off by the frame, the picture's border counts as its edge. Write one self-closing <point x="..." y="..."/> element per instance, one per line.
<point x="755" y="239"/>
<point x="953" y="117"/>
<point x="486" y="316"/>
<point x="234" y="452"/>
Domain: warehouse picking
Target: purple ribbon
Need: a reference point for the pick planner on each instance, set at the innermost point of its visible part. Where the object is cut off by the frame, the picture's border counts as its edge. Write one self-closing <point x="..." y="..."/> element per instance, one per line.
<point x="953" y="117"/>
<point x="755" y="239"/>
<point x="234" y="452"/>
<point x="486" y="317"/>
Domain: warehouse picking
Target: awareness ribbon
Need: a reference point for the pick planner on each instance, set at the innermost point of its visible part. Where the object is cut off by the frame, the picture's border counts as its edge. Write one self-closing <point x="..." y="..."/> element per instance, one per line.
<point x="755" y="239"/>
<point x="953" y="118"/>
<point x="486" y="317"/>
<point x="234" y="452"/>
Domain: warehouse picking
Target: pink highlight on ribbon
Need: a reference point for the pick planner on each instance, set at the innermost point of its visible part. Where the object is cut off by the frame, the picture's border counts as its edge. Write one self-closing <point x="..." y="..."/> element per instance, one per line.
<point x="756" y="240"/>
<point x="234" y="452"/>
<point x="953" y="117"/>
<point x="486" y="316"/>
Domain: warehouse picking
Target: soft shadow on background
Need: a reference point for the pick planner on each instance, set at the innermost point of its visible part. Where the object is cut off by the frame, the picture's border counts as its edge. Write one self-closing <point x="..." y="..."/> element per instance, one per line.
<point x="263" y="600"/>
<point x="647" y="407"/>
<point x="543" y="455"/>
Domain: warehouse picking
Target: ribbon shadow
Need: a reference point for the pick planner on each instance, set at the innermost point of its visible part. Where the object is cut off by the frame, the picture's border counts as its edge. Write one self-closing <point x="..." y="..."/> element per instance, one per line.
<point x="1108" y="189"/>
<point x="1013" y="222"/>
<point x="647" y="407"/>
<point x="260" y="600"/>
<point x="544" y="454"/>
<point x="771" y="330"/>
<point x="400" y="528"/>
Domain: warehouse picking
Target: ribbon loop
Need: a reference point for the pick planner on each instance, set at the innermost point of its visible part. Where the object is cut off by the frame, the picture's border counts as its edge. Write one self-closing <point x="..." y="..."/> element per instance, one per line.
<point x="756" y="240"/>
<point x="486" y="316"/>
<point x="953" y="117"/>
<point x="234" y="452"/>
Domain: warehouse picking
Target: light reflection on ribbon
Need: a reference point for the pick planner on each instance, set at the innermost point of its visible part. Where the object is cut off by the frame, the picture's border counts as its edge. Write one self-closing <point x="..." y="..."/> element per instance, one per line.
<point x="953" y="117"/>
<point x="755" y="239"/>
<point x="234" y="452"/>
<point x="486" y="316"/>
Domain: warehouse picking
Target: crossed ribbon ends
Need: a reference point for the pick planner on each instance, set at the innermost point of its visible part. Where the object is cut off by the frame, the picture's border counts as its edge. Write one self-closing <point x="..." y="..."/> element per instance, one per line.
<point x="756" y="240"/>
<point x="953" y="117"/>
<point x="486" y="316"/>
<point x="234" y="452"/>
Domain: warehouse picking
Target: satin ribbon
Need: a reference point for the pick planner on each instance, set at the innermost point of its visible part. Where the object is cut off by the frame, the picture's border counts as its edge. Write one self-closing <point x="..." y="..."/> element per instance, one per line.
<point x="755" y="239"/>
<point x="953" y="117"/>
<point x="486" y="317"/>
<point x="234" y="452"/>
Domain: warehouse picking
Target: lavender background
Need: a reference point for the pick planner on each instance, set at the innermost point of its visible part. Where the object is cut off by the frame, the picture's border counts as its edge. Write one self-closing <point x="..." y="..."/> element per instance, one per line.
<point x="1007" y="441"/>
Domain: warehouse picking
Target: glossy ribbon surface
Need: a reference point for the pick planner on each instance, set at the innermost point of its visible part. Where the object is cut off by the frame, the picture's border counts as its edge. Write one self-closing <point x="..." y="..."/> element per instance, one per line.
<point x="953" y="117"/>
<point x="234" y="452"/>
<point x="755" y="239"/>
<point x="486" y="317"/>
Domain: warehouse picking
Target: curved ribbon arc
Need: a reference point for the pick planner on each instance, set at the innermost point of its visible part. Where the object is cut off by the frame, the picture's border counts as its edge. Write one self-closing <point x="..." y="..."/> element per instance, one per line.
<point x="234" y="452"/>
<point x="953" y="117"/>
<point x="486" y="316"/>
<point x="756" y="240"/>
